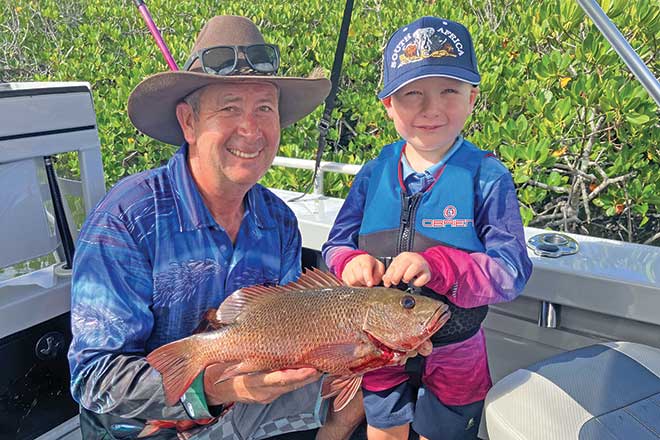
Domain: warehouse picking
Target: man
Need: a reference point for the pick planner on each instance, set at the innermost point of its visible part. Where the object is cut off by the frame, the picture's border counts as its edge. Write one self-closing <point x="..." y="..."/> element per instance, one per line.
<point x="167" y="244"/>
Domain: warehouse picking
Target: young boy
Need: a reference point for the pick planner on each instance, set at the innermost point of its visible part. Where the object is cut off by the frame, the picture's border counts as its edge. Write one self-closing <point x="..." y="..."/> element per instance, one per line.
<point x="436" y="212"/>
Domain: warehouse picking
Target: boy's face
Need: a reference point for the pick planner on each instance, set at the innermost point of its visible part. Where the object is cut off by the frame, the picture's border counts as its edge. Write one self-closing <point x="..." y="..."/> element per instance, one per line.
<point x="430" y="113"/>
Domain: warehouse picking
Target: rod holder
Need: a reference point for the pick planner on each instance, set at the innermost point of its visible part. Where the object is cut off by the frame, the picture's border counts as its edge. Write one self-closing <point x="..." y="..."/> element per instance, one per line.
<point x="553" y="245"/>
<point x="549" y="314"/>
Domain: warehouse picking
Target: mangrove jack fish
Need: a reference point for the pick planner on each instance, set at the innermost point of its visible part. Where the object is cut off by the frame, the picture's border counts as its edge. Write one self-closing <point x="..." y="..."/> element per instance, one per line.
<point x="316" y="322"/>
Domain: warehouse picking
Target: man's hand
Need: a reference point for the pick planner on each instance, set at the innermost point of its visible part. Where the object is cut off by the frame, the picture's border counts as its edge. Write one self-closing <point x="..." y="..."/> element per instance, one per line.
<point x="407" y="267"/>
<point x="363" y="270"/>
<point x="255" y="388"/>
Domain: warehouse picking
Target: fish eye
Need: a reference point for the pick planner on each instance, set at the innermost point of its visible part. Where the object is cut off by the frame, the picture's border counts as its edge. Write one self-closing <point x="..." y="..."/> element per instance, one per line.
<point x="408" y="302"/>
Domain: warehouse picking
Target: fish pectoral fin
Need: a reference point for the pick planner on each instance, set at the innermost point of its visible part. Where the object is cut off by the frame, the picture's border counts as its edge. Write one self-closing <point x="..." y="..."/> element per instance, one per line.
<point x="351" y="385"/>
<point x="227" y="370"/>
<point x="333" y="354"/>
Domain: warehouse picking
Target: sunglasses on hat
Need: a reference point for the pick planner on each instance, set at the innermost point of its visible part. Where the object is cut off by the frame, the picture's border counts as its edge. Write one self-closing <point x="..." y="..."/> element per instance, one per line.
<point x="224" y="60"/>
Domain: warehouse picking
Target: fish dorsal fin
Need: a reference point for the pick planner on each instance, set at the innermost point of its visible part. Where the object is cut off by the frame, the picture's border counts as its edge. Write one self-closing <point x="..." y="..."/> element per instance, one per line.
<point x="243" y="299"/>
<point x="246" y="297"/>
<point x="314" y="279"/>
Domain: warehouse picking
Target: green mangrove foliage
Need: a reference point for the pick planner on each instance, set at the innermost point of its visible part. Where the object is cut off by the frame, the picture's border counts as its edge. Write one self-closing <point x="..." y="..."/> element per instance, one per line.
<point x="557" y="105"/>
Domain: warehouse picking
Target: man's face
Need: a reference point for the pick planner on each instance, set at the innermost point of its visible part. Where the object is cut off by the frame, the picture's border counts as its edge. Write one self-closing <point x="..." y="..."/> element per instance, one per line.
<point x="235" y="135"/>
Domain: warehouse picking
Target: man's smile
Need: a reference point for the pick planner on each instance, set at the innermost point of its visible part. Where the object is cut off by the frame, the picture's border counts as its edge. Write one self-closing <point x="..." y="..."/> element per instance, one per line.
<point x="243" y="154"/>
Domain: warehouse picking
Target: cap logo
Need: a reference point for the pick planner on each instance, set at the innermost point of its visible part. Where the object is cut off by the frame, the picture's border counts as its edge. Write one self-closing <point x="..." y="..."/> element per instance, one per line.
<point x="426" y="43"/>
<point x="429" y="46"/>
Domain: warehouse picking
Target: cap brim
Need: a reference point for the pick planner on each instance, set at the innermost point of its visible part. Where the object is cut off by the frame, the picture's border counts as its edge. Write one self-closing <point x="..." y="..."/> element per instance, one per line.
<point x="152" y="104"/>
<point x="453" y="72"/>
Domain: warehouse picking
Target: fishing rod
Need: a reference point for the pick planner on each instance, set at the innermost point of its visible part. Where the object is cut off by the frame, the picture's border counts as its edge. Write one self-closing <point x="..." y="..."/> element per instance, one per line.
<point x="144" y="11"/>
<point x="330" y="100"/>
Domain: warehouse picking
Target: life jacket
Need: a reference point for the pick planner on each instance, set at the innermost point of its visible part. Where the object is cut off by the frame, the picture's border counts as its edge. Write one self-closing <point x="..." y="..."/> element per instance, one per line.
<point x="443" y="214"/>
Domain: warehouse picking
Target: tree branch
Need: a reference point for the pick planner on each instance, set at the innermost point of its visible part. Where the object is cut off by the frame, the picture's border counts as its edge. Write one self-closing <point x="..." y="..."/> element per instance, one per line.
<point x="557" y="189"/>
<point x="652" y="239"/>
<point x="573" y="171"/>
<point x="605" y="183"/>
<point x="585" y="200"/>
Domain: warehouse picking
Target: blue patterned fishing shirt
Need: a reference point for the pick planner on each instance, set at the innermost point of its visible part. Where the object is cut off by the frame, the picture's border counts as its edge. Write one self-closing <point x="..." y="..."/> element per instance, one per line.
<point x="150" y="260"/>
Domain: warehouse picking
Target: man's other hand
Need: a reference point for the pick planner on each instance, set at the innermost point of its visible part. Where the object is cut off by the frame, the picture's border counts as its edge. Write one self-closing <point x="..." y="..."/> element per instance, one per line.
<point x="257" y="387"/>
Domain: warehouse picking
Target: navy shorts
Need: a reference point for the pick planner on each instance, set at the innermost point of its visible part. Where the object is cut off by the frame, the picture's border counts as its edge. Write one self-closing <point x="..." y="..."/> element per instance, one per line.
<point x="429" y="417"/>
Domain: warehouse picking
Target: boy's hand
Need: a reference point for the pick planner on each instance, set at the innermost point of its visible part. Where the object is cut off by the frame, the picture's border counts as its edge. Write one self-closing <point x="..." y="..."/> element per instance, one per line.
<point x="363" y="270"/>
<point x="407" y="267"/>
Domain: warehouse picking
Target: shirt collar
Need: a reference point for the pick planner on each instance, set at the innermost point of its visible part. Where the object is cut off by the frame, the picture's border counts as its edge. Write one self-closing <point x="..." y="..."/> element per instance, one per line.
<point x="191" y="211"/>
<point x="407" y="170"/>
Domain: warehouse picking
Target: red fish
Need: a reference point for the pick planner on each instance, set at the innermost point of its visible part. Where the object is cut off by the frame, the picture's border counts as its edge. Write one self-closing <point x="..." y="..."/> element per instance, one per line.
<point x="316" y="322"/>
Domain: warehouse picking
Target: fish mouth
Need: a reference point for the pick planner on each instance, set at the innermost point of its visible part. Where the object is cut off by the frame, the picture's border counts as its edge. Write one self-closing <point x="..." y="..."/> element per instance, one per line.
<point x="437" y="320"/>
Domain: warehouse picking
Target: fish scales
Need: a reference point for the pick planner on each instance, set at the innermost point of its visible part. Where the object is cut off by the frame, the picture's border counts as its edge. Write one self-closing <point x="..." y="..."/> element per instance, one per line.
<point x="315" y="322"/>
<point x="290" y="326"/>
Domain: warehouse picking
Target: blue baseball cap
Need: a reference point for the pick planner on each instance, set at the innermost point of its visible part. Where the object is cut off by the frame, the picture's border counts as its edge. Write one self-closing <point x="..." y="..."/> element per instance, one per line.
<point x="429" y="46"/>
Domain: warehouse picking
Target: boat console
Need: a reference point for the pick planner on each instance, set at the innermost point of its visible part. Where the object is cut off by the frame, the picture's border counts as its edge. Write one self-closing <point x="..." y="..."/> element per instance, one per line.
<point x="39" y="122"/>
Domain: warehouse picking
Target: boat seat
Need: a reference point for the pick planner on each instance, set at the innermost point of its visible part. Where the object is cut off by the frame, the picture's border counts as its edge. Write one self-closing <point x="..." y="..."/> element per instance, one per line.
<point x="605" y="391"/>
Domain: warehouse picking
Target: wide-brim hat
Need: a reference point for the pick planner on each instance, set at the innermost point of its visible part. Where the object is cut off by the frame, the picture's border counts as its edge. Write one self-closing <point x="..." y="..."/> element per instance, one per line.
<point x="152" y="104"/>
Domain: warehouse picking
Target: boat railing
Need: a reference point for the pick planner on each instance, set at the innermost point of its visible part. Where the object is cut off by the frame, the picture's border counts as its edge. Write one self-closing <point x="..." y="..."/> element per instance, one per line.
<point x="308" y="164"/>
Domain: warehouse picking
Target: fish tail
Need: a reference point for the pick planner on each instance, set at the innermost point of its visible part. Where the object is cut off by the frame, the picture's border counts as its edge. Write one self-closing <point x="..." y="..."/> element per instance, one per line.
<point x="179" y="363"/>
